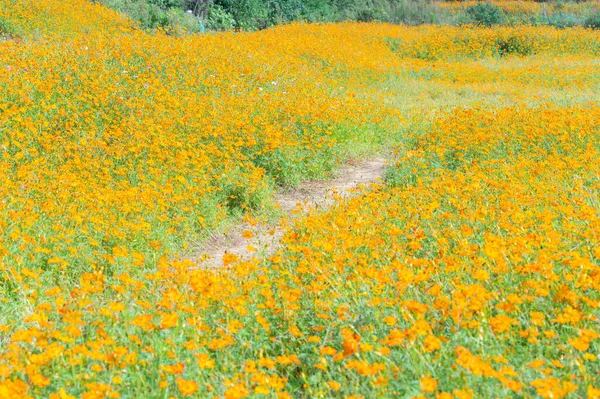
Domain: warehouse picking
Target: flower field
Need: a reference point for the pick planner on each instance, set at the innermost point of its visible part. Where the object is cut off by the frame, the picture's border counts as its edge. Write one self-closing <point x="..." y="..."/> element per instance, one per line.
<point x="471" y="271"/>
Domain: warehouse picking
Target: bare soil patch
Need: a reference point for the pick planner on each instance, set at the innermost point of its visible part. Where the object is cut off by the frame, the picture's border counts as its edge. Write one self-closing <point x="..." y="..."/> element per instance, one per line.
<point x="247" y="241"/>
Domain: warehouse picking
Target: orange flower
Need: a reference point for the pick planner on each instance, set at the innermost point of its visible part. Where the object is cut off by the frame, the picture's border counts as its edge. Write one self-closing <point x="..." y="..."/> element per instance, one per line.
<point x="237" y="391"/>
<point x="169" y="320"/>
<point x="334" y="385"/>
<point x="432" y="343"/>
<point x="144" y="322"/>
<point x="204" y="361"/>
<point x="186" y="387"/>
<point x="350" y="342"/>
<point x="176" y="368"/>
<point x="428" y="384"/>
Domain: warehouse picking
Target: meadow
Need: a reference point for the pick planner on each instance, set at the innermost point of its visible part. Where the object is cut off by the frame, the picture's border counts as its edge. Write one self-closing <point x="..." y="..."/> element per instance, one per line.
<point x="471" y="271"/>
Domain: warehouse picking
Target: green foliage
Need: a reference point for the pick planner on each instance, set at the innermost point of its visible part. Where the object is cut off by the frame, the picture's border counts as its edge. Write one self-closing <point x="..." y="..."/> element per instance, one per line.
<point x="259" y="14"/>
<point x="365" y="15"/>
<point x="563" y="20"/>
<point x="515" y="45"/>
<point x="284" y="10"/>
<point x="164" y="4"/>
<point x="593" y="21"/>
<point x="178" y="20"/>
<point x="486" y="14"/>
<point x="317" y="10"/>
<point x="414" y="12"/>
<point x="218" y="19"/>
<point x="247" y="14"/>
<point x="218" y="15"/>
<point x="152" y="14"/>
<point x="6" y="28"/>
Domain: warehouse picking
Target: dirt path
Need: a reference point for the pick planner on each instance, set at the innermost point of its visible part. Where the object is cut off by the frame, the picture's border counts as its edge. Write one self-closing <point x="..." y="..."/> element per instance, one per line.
<point x="247" y="241"/>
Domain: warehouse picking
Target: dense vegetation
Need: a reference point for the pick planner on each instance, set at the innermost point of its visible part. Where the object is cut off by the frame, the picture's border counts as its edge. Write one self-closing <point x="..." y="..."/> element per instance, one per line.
<point x="472" y="271"/>
<point x="199" y="15"/>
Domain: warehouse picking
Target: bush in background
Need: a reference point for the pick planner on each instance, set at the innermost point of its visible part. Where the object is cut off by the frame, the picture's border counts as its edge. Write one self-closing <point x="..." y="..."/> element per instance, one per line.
<point x="563" y="20"/>
<point x="218" y="15"/>
<point x="411" y="12"/>
<point x="218" y="19"/>
<point x="152" y="14"/>
<point x="593" y="21"/>
<point x="486" y="14"/>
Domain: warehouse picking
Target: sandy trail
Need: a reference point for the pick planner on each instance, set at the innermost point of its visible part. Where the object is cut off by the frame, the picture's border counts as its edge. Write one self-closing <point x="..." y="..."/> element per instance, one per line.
<point x="265" y="238"/>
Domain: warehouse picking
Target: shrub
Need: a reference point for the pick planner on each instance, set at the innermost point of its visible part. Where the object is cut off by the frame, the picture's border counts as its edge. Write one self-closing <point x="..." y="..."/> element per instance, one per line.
<point x="317" y="10"/>
<point x="164" y="4"/>
<point x="219" y="19"/>
<point x="259" y="14"/>
<point x="247" y="14"/>
<point x="179" y="20"/>
<point x="157" y="17"/>
<point x="367" y="10"/>
<point x="417" y="12"/>
<point x="593" y="21"/>
<point x="514" y="45"/>
<point x="563" y="20"/>
<point x="365" y="15"/>
<point x="151" y="14"/>
<point x="486" y="14"/>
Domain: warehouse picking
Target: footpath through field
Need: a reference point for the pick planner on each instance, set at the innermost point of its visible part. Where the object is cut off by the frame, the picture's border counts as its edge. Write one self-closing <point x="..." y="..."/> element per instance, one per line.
<point x="246" y="240"/>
